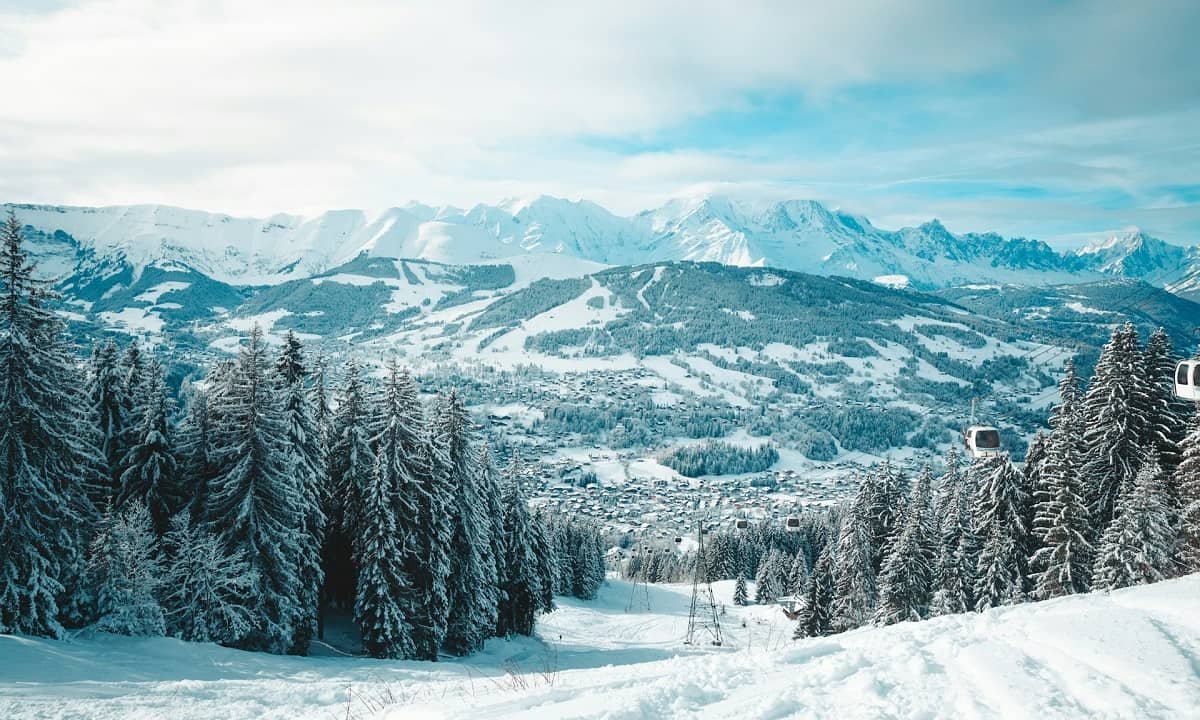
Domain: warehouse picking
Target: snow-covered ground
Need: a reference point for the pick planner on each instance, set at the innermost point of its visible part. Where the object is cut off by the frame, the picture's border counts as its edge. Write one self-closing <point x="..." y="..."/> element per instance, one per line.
<point x="1132" y="654"/>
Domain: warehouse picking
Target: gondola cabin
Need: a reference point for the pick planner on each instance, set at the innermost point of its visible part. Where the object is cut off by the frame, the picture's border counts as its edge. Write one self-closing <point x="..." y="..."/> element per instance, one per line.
<point x="1187" y="380"/>
<point x="792" y="524"/>
<point x="741" y="524"/>
<point x="982" y="441"/>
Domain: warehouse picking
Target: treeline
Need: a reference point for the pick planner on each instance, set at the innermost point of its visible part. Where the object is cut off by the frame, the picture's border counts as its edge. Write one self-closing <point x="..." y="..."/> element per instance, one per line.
<point x="714" y="457"/>
<point x="1108" y="498"/>
<point x="262" y="508"/>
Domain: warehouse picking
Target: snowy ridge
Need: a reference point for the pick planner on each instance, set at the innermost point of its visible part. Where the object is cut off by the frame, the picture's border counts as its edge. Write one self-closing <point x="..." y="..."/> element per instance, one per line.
<point x="800" y="235"/>
<point x="1133" y="653"/>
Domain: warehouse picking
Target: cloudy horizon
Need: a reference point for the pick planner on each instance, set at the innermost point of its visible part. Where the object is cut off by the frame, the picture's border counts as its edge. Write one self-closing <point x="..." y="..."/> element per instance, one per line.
<point x="1061" y="123"/>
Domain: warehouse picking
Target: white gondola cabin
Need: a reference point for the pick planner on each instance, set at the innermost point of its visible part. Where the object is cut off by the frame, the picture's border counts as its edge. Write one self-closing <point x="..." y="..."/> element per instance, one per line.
<point x="1187" y="380"/>
<point x="792" y="524"/>
<point x="741" y="524"/>
<point x="982" y="441"/>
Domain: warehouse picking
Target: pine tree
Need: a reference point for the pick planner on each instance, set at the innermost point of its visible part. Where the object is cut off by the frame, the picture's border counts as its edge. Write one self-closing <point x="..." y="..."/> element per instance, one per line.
<point x="471" y="617"/>
<point x="816" y="618"/>
<point x="489" y="490"/>
<point x="105" y="391"/>
<point x="304" y="445"/>
<point x="255" y="502"/>
<point x="384" y="591"/>
<point x="543" y="550"/>
<point x="999" y="524"/>
<point x="1032" y="477"/>
<point x="50" y="464"/>
<point x="768" y="582"/>
<point x="855" y="593"/>
<point x="435" y="498"/>
<point x="1115" y="420"/>
<point x="1136" y="547"/>
<point x="132" y="371"/>
<point x="954" y="570"/>
<point x="124" y="568"/>
<point x="149" y="469"/>
<point x="351" y="465"/>
<point x="1187" y="483"/>
<point x="739" y="591"/>
<point x="1062" y="523"/>
<point x="205" y="586"/>
<point x="520" y="584"/>
<point x="888" y="495"/>
<point x="387" y="581"/>
<point x="798" y="576"/>
<point x="193" y="447"/>
<point x="905" y="585"/>
<point x="1168" y="414"/>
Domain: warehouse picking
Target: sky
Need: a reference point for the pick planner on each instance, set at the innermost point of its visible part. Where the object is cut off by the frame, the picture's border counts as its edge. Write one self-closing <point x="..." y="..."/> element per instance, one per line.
<point x="1058" y="120"/>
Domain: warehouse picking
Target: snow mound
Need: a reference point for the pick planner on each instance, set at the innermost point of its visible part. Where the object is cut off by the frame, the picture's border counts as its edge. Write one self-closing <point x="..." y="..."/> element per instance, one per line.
<point x="1131" y="654"/>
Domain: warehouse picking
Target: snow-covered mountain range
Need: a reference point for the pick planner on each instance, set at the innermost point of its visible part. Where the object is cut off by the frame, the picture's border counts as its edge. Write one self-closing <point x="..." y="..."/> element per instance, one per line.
<point x="797" y="235"/>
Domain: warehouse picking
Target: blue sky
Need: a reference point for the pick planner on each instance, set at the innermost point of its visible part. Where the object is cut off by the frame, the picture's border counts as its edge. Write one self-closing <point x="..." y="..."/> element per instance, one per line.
<point x="1058" y="120"/>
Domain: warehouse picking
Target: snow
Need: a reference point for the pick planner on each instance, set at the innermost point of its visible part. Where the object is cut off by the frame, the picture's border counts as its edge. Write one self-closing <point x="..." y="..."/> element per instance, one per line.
<point x="1083" y="309"/>
<point x="896" y="282"/>
<point x="1134" y="653"/>
<point x="153" y="294"/>
<point x="792" y="234"/>
<point x="133" y="320"/>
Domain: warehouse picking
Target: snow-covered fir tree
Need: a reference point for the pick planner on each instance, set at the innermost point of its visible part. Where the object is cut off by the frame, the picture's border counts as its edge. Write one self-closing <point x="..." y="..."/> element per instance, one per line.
<point x="471" y="619"/>
<point x="739" y="591"/>
<point x="1187" y="484"/>
<point x="50" y="464"/>
<point x="124" y="569"/>
<point x="816" y="614"/>
<point x="771" y="578"/>
<point x="205" y="585"/>
<point x="131" y="368"/>
<point x="1168" y="414"/>
<point x="432" y="535"/>
<point x="543" y="552"/>
<point x="386" y="603"/>
<point x="384" y="593"/>
<point x="1032" y="473"/>
<point x="1000" y="526"/>
<point x="957" y="546"/>
<point x="489" y="491"/>
<point x="1136" y="547"/>
<point x="351" y="464"/>
<point x="888" y="493"/>
<point x="150" y="470"/>
<point x="305" y="445"/>
<point x="105" y="391"/>
<point x="855" y="592"/>
<point x="798" y="576"/>
<point x="520" y="582"/>
<point x="1115" y="412"/>
<point x="255" y="502"/>
<point x="1062" y="523"/>
<point x="905" y="584"/>
<point x="195" y="438"/>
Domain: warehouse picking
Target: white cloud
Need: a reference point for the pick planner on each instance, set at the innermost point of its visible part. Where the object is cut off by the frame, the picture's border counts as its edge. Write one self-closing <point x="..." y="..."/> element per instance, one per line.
<point x="263" y="106"/>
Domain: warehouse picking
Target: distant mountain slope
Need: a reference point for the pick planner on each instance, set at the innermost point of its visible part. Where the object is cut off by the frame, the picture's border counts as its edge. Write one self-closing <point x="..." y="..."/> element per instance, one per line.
<point x="816" y="358"/>
<point x="792" y="235"/>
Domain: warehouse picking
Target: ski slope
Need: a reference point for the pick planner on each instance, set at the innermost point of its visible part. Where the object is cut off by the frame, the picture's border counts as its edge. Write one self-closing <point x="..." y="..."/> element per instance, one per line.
<point x="1132" y="654"/>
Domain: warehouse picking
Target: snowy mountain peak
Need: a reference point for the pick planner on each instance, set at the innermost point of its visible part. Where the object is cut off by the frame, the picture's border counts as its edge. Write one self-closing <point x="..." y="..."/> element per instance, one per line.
<point x="795" y="234"/>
